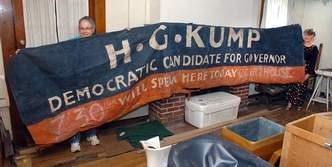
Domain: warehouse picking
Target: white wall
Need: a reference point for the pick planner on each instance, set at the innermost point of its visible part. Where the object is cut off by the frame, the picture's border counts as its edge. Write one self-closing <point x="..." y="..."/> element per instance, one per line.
<point x="122" y="14"/>
<point x="236" y="13"/>
<point x="153" y="13"/>
<point x="295" y="11"/>
<point x="244" y="13"/>
<point x="131" y="13"/>
<point x="315" y="14"/>
<point x="318" y="15"/>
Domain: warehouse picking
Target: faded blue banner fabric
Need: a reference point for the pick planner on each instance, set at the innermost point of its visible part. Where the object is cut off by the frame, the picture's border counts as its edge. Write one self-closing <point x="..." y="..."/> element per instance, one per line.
<point x="54" y="80"/>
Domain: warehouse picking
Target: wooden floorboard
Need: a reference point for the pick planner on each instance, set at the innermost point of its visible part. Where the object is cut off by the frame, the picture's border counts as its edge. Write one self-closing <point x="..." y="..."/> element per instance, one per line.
<point x="131" y="159"/>
<point x="135" y="159"/>
<point x="61" y="155"/>
<point x="112" y="152"/>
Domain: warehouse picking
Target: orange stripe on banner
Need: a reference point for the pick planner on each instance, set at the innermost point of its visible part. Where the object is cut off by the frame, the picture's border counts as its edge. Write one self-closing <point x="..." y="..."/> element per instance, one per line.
<point x="154" y="87"/>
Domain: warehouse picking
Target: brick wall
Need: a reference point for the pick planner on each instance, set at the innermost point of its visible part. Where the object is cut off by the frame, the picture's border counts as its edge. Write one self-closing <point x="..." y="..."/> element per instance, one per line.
<point x="242" y="91"/>
<point x="169" y="109"/>
<point x="172" y="109"/>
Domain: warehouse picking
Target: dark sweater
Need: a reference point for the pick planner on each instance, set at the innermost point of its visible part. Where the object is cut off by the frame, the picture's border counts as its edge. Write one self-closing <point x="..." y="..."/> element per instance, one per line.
<point x="310" y="58"/>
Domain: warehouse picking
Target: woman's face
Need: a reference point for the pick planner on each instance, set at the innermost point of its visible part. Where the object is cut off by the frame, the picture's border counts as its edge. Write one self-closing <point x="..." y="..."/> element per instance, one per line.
<point x="308" y="38"/>
<point x="85" y="29"/>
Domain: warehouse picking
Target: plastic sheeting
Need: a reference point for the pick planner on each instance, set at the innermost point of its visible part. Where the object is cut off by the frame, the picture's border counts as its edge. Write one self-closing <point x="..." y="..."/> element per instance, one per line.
<point x="256" y="129"/>
<point x="212" y="151"/>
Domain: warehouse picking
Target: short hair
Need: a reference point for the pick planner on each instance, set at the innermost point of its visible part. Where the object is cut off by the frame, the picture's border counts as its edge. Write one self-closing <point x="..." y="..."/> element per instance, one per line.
<point x="310" y="31"/>
<point x="90" y="20"/>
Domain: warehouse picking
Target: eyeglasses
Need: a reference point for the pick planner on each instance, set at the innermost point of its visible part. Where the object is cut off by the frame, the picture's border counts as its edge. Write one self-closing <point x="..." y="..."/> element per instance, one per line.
<point x="85" y="28"/>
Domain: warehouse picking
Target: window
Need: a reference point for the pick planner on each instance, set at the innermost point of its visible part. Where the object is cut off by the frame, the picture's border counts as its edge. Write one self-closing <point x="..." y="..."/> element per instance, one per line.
<point x="52" y="21"/>
<point x="276" y="13"/>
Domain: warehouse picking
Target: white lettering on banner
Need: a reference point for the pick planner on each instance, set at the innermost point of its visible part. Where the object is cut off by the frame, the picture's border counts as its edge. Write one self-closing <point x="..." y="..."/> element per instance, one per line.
<point x="194" y="35"/>
<point x="109" y="87"/>
<point x="246" y="73"/>
<point x="132" y="94"/>
<point x="160" y="82"/>
<point x="191" y="36"/>
<point x="264" y="58"/>
<point x="68" y="96"/>
<point x="222" y="73"/>
<point x="82" y="92"/>
<point x="112" y="53"/>
<point x="232" y="58"/>
<point x="119" y="80"/>
<point x="55" y="103"/>
<point x="59" y="122"/>
<point x="251" y="38"/>
<point x="83" y="115"/>
<point x="212" y="37"/>
<point x="216" y="39"/>
<point x="96" y="112"/>
<point x="97" y="89"/>
<point x="145" y="69"/>
<point x="117" y="83"/>
<point x="194" y="77"/>
<point x="193" y="60"/>
<point x="233" y="36"/>
<point x="132" y="77"/>
<point x="153" y="42"/>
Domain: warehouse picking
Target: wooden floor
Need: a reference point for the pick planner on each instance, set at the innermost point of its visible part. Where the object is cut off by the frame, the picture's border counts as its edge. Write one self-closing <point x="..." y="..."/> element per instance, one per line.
<point x="112" y="152"/>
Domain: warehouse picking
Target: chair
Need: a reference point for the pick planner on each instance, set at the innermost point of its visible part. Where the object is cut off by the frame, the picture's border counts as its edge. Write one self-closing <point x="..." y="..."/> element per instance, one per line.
<point x="272" y="92"/>
<point x="323" y="74"/>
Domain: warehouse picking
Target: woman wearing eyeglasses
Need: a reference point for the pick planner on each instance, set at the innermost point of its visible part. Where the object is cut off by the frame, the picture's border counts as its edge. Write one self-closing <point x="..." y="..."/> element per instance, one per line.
<point x="87" y="28"/>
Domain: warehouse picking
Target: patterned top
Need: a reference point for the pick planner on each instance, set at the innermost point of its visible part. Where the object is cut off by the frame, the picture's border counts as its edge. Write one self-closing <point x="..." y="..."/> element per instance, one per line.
<point x="310" y="58"/>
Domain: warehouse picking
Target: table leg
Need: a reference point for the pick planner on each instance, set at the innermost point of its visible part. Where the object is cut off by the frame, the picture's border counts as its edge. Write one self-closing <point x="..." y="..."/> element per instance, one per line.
<point x="315" y="91"/>
<point x="327" y="93"/>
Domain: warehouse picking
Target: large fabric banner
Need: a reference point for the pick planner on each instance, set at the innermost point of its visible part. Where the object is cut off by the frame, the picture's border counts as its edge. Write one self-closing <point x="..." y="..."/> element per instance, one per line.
<point x="76" y="85"/>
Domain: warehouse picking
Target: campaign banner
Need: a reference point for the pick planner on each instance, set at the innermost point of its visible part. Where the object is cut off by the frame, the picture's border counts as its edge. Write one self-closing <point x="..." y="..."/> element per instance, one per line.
<point x="72" y="86"/>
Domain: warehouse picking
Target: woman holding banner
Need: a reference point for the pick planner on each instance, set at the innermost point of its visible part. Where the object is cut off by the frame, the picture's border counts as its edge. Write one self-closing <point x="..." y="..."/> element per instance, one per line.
<point x="87" y="28"/>
<point x="297" y="92"/>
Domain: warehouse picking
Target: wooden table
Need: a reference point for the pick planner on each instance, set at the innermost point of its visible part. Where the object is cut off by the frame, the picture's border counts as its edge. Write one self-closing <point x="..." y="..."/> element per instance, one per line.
<point x="130" y="159"/>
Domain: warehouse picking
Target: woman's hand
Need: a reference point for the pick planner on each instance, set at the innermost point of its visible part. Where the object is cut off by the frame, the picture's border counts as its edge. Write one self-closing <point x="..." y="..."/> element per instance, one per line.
<point x="306" y="77"/>
<point x="18" y="50"/>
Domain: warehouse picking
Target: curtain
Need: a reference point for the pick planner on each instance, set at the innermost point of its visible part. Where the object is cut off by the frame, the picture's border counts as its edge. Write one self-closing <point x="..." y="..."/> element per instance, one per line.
<point x="68" y="14"/>
<point x="39" y="22"/>
<point x="52" y="21"/>
<point x="4" y="102"/>
<point x="121" y="14"/>
<point x="276" y="13"/>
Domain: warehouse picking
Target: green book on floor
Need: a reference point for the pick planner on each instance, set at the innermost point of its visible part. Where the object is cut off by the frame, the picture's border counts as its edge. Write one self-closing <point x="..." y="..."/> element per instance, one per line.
<point x="142" y="131"/>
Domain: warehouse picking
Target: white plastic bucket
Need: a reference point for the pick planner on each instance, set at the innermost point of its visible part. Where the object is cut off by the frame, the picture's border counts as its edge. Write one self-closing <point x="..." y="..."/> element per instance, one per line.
<point x="155" y="156"/>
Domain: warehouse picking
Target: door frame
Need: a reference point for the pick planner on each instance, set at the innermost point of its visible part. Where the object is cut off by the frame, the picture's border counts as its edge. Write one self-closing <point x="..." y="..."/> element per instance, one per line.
<point x="12" y="35"/>
<point x="12" y="31"/>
